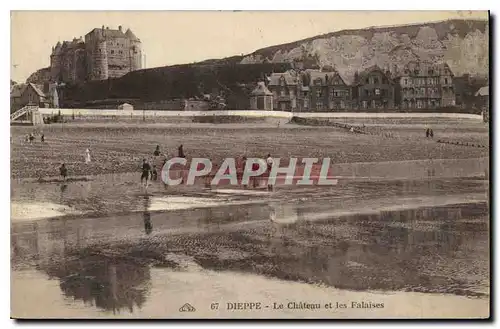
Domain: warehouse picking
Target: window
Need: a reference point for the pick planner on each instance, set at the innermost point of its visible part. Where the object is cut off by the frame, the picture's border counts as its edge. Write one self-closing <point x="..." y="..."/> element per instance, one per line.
<point x="405" y="81"/>
<point x="319" y="106"/>
<point x="283" y="92"/>
<point x="291" y="93"/>
<point x="282" y="81"/>
<point x="342" y="104"/>
<point x="366" y="92"/>
<point x="318" y="93"/>
<point x="377" y="92"/>
<point x="431" y="71"/>
<point x="306" y="103"/>
<point x="112" y="51"/>
<point x="446" y="80"/>
<point x="332" y="93"/>
<point x="365" y="104"/>
<point x="367" y="81"/>
<point x="375" y="81"/>
<point x="283" y="106"/>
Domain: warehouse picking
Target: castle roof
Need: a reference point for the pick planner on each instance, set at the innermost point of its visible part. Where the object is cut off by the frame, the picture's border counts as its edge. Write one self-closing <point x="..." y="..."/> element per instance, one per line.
<point x="131" y="35"/>
<point x="261" y="90"/>
<point x="107" y="33"/>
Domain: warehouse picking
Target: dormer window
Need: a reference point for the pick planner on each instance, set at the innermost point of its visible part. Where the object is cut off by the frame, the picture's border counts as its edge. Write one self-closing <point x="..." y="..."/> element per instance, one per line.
<point x="282" y="81"/>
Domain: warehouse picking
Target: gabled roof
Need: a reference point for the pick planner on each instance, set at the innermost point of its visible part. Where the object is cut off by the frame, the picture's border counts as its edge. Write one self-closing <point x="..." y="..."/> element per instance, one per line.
<point x="261" y="90"/>
<point x="332" y="76"/>
<point x="274" y="79"/>
<point x="374" y="68"/>
<point x="37" y="89"/>
<point x="483" y="91"/>
<point x="424" y="67"/>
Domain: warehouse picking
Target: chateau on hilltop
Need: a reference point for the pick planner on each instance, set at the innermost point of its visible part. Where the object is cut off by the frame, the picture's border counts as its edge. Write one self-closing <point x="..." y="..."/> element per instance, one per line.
<point x="105" y="53"/>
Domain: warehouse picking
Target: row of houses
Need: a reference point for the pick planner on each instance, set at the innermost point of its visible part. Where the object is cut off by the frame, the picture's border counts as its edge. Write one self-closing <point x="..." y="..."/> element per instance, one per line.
<point x="420" y="85"/>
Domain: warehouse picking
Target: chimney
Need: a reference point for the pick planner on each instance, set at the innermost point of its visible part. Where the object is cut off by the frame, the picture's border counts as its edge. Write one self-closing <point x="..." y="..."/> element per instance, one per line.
<point x="102" y="27"/>
<point x="120" y="28"/>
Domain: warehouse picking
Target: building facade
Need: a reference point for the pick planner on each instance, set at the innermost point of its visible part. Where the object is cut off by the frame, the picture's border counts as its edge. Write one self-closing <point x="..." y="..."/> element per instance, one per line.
<point x="284" y="87"/>
<point x="32" y="94"/>
<point x="105" y="53"/>
<point x="325" y="91"/>
<point x="424" y="85"/>
<point x="375" y="89"/>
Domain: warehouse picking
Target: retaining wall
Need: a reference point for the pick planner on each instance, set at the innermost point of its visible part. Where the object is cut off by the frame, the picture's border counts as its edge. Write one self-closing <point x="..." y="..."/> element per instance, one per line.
<point x="234" y="116"/>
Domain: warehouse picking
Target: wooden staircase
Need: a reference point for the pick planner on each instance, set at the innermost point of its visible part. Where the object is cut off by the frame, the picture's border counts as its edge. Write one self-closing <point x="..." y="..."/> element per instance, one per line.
<point x="35" y="118"/>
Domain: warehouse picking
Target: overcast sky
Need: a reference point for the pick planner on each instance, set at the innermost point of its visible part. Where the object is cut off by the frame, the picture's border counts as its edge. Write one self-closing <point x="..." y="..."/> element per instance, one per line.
<point x="177" y="37"/>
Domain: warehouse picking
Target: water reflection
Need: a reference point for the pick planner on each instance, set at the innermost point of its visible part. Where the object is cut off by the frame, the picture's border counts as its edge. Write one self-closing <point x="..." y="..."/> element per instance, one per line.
<point x="148" y="225"/>
<point x="102" y="281"/>
<point x="431" y="249"/>
<point x="105" y="278"/>
<point x="426" y="249"/>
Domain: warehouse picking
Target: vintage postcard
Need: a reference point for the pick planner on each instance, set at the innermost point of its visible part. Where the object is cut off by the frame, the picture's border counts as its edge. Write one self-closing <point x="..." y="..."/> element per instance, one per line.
<point x="250" y="165"/>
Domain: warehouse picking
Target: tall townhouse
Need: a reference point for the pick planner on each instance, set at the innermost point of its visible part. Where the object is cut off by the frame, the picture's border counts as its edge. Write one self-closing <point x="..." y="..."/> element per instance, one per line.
<point x="425" y="85"/>
<point x="375" y="89"/>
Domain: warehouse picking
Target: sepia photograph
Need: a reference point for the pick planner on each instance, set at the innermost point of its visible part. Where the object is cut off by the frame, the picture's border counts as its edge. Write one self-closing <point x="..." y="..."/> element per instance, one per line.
<point x="250" y="165"/>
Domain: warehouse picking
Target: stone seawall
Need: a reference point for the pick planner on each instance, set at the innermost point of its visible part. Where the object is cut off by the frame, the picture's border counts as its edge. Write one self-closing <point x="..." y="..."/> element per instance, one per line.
<point x="106" y="115"/>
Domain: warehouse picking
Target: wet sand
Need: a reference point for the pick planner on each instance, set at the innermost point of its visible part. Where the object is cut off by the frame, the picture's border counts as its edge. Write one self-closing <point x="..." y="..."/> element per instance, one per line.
<point x="417" y="248"/>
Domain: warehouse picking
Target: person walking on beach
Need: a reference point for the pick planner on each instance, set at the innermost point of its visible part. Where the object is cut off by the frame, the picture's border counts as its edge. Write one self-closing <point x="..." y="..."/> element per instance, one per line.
<point x="427" y="133"/>
<point x="87" y="156"/>
<point x="146" y="168"/>
<point x="180" y="153"/>
<point x="42" y="138"/>
<point x="154" y="173"/>
<point x="31" y="138"/>
<point x="157" y="151"/>
<point x="269" y="162"/>
<point x="63" y="171"/>
<point x="431" y="133"/>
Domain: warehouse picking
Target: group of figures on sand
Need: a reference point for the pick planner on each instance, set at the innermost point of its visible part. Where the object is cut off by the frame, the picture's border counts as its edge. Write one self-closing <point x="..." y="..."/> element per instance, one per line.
<point x="150" y="170"/>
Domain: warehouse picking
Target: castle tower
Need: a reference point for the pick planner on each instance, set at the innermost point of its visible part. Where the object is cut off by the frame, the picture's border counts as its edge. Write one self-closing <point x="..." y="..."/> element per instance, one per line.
<point x="135" y="51"/>
<point x="97" y="58"/>
<point x="55" y="62"/>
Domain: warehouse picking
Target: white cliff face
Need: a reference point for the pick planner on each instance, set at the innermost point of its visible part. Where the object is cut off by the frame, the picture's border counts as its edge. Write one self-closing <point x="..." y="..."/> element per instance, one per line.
<point x="348" y="53"/>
